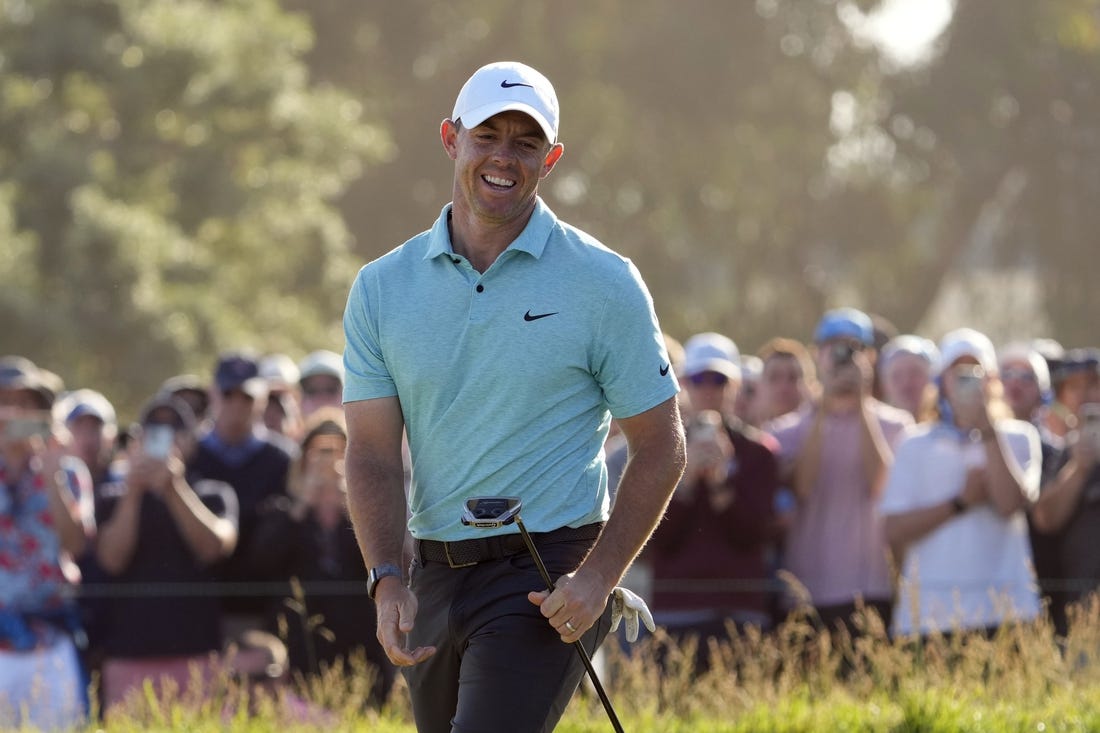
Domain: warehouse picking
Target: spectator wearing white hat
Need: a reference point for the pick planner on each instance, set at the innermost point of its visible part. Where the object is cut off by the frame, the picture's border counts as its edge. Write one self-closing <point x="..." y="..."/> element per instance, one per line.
<point x="91" y="420"/>
<point x="748" y="404"/>
<point x="709" y="555"/>
<point x="837" y="452"/>
<point x="956" y="499"/>
<point x="1026" y="379"/>
<point x="905" y="374"/>
<point x="322" y="381"/>
<point x="283" y="413"/>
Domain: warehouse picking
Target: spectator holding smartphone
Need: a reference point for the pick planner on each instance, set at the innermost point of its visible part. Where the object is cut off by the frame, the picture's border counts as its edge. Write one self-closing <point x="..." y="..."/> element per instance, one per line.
<point x="837" y="451"/>
<point x="162" y="525"/>
<point x="45" y="521"/>
<point x="1068" y="509"/>
<point x="308" y="536"/>
<point x="955" y="503"/>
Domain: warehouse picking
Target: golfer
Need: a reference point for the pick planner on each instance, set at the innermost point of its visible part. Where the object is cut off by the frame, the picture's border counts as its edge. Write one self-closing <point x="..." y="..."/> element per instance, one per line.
<point x="502" y="340"/>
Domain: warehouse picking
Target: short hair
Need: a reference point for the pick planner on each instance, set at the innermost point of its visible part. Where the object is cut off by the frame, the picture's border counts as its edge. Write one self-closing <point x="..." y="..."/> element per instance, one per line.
<point x="786" y="348"/>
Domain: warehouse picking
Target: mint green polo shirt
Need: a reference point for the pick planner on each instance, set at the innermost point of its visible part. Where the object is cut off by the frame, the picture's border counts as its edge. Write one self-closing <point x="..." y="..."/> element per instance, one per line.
<point x="507" y="379"/>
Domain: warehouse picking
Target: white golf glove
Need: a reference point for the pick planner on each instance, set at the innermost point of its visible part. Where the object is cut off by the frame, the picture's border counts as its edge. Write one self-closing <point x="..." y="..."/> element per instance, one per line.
<point x="626" y="604"/>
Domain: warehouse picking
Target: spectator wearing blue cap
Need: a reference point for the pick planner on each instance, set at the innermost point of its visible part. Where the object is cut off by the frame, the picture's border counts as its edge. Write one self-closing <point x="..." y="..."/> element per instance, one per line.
<point x="1068" y="510"/>
<point x="240" y="451"/>
<point x="955" y="503"/>
<point x="905" y="374"/>
<point x="837" y="452"/>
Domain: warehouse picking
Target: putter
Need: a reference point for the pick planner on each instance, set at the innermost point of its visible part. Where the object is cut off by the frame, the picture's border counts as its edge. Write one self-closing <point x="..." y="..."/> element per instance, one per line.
<point x="491" y="512"/>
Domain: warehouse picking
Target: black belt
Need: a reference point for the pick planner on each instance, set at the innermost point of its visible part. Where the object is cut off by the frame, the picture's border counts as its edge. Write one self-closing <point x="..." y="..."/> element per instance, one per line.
<point x="464" y="553"/>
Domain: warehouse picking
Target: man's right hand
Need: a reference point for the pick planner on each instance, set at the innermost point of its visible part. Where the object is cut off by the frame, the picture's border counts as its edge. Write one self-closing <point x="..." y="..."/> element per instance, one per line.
<point x="396" y="611"/>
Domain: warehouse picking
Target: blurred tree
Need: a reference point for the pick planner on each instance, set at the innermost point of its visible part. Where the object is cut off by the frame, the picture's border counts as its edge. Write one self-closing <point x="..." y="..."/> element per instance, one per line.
<point x="167" y="174"/>
<point x="696" y="135"/>
<point x="1013" y="177"/>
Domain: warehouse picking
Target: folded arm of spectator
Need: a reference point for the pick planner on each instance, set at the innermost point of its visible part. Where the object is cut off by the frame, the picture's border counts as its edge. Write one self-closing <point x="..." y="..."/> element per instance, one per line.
<point x="1058" y="501"/>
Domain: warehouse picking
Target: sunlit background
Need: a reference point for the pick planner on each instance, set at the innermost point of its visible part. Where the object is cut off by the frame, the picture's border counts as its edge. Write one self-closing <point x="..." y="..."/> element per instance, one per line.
<point x="178" y="178"/>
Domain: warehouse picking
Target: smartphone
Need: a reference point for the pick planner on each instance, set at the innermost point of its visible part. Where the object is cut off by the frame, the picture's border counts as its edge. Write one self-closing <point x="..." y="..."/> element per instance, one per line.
<point x="1090" y="423"/>
<point x="156" y="440"/>
<point x="27" y="426"/>
<point x="704" y="428"/>
<point x="969" y="383"/>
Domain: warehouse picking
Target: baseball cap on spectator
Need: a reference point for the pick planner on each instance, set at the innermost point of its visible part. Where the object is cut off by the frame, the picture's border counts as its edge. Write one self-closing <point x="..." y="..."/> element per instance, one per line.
<point x="279" y="370"/>
<point x="845" y="323"/>
<point x="317" y="363"/>
<point x="711" y="352"/>
<point x="1076" y="361"/>
<point x="82" y="402"/>
<point x="1020" y="351"/>
<point x="752" y="367"/>
<point x="239" y="370"/>
<point x="909" y="344"/>
<point x="967" y="342"/>
<point x="505" y="86"/>
<point x="167" y="409"/>
<point x="20" y="373"/>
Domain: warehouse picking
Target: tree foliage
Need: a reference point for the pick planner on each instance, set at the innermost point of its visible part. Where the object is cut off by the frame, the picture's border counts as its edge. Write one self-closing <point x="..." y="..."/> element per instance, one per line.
<point x="169" y="174"/>
<point x="180" y="177"/>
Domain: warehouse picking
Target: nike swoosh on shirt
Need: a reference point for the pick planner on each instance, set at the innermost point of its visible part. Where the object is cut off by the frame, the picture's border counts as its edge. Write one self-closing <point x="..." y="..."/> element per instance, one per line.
<point x="528" y="317"/>
<point x="664" y="370"/>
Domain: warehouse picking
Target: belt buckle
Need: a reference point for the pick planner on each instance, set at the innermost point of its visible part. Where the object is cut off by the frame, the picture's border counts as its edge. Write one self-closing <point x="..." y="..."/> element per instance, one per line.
<point x="450" y="560"/>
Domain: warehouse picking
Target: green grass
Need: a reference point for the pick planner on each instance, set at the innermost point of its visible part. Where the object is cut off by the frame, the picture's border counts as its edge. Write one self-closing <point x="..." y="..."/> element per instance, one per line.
<point x="791" y="682"/>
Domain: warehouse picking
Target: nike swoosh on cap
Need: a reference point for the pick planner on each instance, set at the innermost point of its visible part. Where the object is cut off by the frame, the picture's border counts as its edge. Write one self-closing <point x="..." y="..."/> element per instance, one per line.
<point x="664" y="370"/>
<point x="528" y="317"/>
<point x="509" y="84"/>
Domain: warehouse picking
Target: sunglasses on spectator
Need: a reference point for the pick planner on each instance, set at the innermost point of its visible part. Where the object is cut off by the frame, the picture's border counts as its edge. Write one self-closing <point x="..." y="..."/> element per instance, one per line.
<point x="1023" y="375"/>
<point x="712" y="379"/>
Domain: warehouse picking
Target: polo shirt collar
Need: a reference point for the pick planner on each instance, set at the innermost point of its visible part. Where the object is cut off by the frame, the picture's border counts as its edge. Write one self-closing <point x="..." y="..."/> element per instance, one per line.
<point x="531" y="240"/>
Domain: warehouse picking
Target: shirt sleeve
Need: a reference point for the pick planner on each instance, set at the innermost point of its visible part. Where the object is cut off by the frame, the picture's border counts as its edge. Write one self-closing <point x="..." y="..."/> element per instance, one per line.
<point x="628" y="352"/>
<point x="789" y="434"/>
<point x="902" y="492"/>
<point x="1025" y="447"/>
<point x="366" y="375"/>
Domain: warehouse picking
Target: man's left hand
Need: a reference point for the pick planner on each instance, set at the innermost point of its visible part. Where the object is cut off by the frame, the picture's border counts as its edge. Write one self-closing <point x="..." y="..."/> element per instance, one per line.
<point x="574" y="606"/>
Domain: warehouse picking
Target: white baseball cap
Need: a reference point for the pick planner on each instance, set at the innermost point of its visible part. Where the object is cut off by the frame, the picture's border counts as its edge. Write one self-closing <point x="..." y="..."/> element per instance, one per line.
<point x="323" y="362"/>
<point x="711" y="352"/>
<point x="967" y="342"/>
<point x="504" y="86"/>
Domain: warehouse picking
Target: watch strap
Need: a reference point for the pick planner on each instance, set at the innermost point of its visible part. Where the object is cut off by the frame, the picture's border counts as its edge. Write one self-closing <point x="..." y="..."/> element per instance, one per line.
<point x="376" y="574"/>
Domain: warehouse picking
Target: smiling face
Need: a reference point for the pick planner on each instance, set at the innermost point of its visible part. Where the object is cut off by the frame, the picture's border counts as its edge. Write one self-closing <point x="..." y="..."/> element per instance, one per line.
<point x="498" y="165"/>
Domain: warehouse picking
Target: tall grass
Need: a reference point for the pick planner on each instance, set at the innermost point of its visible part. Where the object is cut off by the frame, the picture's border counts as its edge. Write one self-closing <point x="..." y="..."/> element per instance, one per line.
<point x="796" y="679"/>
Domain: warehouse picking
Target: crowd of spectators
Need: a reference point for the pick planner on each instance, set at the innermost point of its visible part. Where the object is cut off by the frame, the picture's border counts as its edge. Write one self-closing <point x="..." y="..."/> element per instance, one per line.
<point x="948" y="488"/>
<point x="170" y="550"/>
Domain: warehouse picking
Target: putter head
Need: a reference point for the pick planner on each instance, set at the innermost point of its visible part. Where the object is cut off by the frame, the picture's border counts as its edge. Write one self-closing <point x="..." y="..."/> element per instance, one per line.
<point x="490" y="512"/>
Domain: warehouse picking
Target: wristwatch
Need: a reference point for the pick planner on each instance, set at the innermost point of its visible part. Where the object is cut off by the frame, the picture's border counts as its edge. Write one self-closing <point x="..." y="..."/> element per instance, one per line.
<point x="376" y="574"/>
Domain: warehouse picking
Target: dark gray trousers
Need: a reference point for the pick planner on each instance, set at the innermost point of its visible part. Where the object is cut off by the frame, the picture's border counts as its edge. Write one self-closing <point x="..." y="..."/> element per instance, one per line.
<point x="499" y="665"/>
